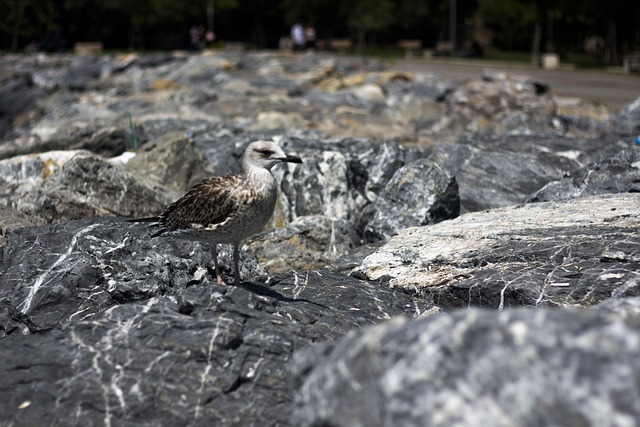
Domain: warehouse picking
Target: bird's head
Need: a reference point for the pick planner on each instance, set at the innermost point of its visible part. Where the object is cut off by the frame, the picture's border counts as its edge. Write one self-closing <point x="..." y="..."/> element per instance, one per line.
<point x="266" y="154"/>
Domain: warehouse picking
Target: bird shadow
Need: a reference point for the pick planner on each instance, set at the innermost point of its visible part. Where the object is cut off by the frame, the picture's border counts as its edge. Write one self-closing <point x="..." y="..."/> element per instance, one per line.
<point x="265" y="291"/>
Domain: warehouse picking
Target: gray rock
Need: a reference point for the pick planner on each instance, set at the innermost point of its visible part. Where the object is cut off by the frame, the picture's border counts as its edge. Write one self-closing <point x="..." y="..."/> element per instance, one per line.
<point x="17" y="95"/>
<point x="19" y="175"/>
<point x="107" y="142"/>
<point x="96" y="137"/>
<point x="502" y="171"/>
<point x="618" y="174"/>
<point x="224" y="147"/>
<point x="627" y="121"/>
<point x="370" y="93"/>
<point x="62" y="273"/>
<point x="345" y="98"/>
<point x="173" y="160"/>
<point x="200" y="70"/>
<point x="153" y="126"/>
<point x="578" y="118"/>
<point x="12" y="219"/>
<point x="154" y="60"/>
<point x="626" y="308"/>
<point x="340" y="177"/>
<point x="307" y="243"/>
<point x="349" y="263"/>
<point x="279" y="120"/>
<point x="320" y="188"/>
<point x="490" y="177"/>
<point x="89" y="186"/>
<point x="419" y="193"/>
<point x="101" y="323"/>
<point x="553" y="254"/>
<point x="519" y="367"/>
<point x="74" y="72"/>
<point x="424" y="88"/>
<point x="499" y="104"/>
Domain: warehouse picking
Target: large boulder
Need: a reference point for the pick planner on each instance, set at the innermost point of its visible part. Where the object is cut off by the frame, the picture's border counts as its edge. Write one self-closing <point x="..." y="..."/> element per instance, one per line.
<point x="77" y="73"/>
<point x="108" y="141"/>
<point x="552" y="254"/>
<point x="500" y="103"/>
<point x="340" y="177"/>
<point x="473" y="367"/>
<point x="419" y="193"/>
<point x="12" y="219"/>
<point x="89" y="186"/>
<point x="312" y="242"/>
<point x="499" y="171"/>
<point x="21" y="174"/>
<point x="580" y="118"/>
<point x="627" y="121"/>
<point x="17" y="96"/>
<point x="618" y="174"/>
<point x="59" y="273"/>
<point x="98" y="319"/>
<point x="173" y="160"/>
<point x="279" y="120"/>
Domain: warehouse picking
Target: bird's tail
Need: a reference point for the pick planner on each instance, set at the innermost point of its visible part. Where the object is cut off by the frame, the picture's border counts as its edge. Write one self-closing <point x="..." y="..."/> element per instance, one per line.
<point x="147" y="219"/>
<point x="156" y="223"/>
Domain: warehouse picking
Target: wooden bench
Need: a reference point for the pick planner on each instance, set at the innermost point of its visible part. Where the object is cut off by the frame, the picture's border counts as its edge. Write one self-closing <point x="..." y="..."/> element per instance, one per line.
<point x="340" y="44"/>
<point x="83" y="48"/>
<point x="443" y="48"/>
<point x="631" y="63"/>
<point x="234" y="46"/>
<point x="410" y="47"/>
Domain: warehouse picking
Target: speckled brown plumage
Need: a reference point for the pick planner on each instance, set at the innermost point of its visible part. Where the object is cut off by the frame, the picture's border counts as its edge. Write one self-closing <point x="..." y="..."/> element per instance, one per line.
<point x="227" y="209"/>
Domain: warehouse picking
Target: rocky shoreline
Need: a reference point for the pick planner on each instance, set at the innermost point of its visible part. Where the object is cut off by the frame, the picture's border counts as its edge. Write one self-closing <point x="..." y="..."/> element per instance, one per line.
<point x="489" y="231"/>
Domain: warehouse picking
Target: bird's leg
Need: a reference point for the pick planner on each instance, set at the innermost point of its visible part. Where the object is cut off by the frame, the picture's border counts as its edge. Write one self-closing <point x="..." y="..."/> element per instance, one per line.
<point x="214" y="250"/>
<point x="236" y="255"/>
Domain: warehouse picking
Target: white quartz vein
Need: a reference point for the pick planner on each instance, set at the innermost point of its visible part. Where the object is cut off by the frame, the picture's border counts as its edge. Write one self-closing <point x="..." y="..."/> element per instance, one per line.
<point x="298" y="288"/>
<point x="207" y="369"/>
<point x="26" y="304"/>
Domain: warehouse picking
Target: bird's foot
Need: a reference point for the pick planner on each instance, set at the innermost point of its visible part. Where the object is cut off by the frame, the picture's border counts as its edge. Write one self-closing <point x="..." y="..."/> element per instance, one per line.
<point x="217" y="275"/>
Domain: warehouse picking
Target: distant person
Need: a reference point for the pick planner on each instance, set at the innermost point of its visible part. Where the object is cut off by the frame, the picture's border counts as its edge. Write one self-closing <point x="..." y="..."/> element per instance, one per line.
<point x="476" y="50"/>
<point x="196" y="34"/>
<point x="209" y="37"/>
<point x="310" y="37"/>
<point x="31" y="47"/>
<point x="297" y="35"/>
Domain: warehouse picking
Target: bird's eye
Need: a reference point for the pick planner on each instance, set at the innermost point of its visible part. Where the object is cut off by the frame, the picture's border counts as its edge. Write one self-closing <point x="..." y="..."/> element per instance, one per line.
<point x="265" y="152"/>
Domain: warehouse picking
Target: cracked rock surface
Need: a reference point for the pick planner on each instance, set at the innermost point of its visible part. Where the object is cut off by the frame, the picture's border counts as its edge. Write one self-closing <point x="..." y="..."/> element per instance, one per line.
<point x="478" y="367"/>
<point x="102" y="325"/>
<point x="553" y="254"/>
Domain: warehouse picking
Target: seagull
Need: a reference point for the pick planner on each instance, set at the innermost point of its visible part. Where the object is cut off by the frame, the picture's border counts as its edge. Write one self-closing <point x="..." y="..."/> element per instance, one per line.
<point x="227" y="209"/>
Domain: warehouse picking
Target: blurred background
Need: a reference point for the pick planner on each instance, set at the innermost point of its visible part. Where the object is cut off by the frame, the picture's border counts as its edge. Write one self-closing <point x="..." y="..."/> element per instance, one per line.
<point x="591" y="33"/>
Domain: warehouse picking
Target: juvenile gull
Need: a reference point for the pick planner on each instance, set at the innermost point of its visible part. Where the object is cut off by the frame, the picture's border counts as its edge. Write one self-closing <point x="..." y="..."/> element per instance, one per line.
<point x="227" y="209"/>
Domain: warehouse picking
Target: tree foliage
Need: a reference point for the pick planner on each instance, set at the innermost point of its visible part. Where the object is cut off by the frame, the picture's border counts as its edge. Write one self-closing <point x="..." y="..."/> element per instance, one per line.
<point x="511" y="21"/>
<point x="565" y="24"/>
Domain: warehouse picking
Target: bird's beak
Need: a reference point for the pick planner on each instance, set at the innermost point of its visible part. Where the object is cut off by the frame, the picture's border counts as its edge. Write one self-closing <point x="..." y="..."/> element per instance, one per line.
<point x="291" y="159"/>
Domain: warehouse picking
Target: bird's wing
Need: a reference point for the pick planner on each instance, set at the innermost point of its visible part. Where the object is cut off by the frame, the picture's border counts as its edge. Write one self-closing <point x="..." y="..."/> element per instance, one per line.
<point x="208" y="203"/>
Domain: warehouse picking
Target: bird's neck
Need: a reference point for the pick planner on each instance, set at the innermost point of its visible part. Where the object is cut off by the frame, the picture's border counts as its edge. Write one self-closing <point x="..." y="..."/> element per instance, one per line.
<point x="259" y="175"/>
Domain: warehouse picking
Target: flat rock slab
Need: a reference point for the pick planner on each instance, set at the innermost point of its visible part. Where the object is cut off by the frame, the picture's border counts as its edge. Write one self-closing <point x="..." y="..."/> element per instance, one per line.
<point x="578" y="252"/>
<point x="102" y="325"/>
<point x="471" y="368"/>
<point x="55" y="274"/>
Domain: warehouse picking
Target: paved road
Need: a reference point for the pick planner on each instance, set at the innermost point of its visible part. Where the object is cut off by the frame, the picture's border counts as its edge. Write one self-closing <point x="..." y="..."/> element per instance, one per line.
<point x="610" y="88"/>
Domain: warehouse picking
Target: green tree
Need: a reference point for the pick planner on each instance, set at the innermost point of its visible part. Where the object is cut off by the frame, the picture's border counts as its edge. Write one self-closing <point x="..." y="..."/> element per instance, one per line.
<point x="511" y="21"/>
<point x="365" y="16"/>
<point x="25" y="20"/>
